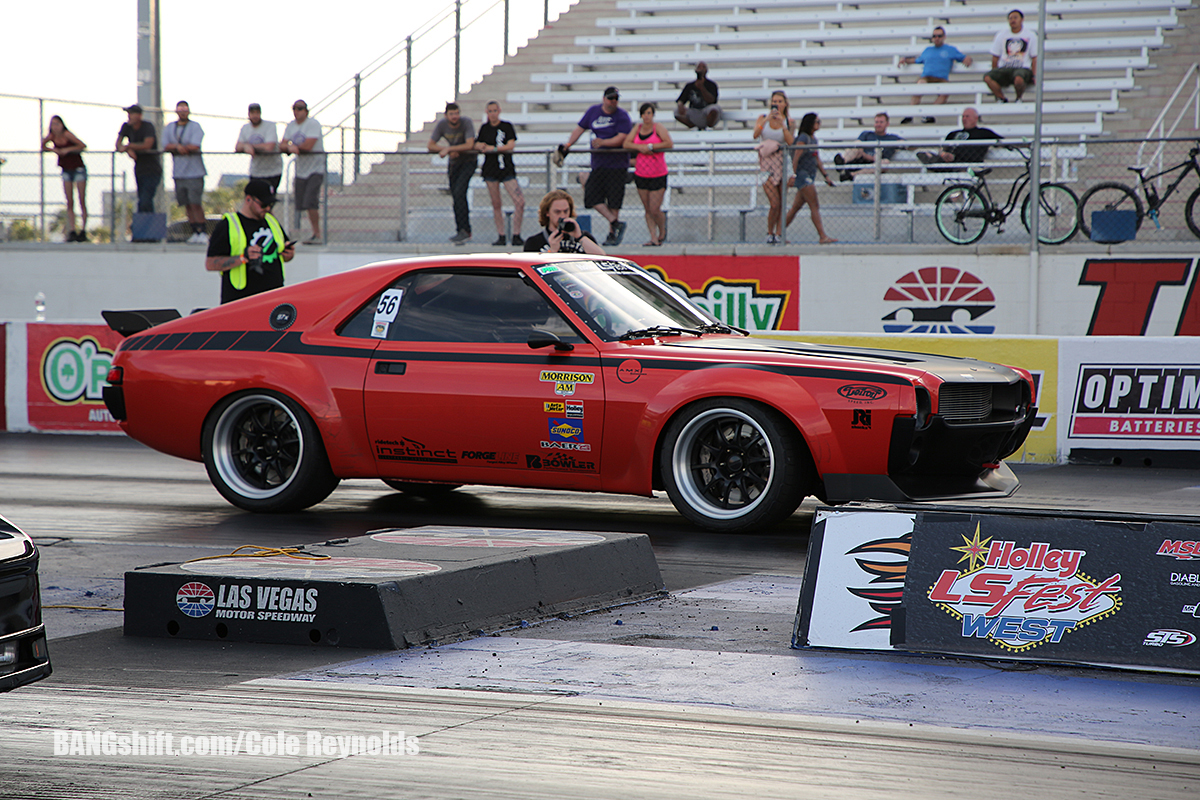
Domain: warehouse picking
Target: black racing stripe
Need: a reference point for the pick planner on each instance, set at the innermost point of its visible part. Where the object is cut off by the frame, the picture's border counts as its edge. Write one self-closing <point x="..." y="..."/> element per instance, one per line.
<point x="136" y="342"/>
<point x="195" y="340"/>
<point x="292" y="344"/>
<point x="533" y="359"/>
<point x="258" y="341"/>
<point x="222" y="340"/>
<point x="172" y="341"/>
<point x="827" y="373"/>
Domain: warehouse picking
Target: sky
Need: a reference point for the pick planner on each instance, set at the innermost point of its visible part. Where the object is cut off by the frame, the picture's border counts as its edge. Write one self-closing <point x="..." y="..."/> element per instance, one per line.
<point x="221" y="55"/>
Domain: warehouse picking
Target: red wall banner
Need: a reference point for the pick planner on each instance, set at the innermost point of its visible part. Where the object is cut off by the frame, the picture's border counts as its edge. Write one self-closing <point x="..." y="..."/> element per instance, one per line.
<point x="758" y="293"/>
<point x="66" y="369"/>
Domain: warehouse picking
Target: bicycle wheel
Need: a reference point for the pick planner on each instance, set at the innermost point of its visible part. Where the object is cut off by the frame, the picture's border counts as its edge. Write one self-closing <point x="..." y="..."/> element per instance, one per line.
<point x="1192" y="213"/>
<point x="1058" y="213"/>
<point x="1108" y="197"/>
<point x="961" y="214"/>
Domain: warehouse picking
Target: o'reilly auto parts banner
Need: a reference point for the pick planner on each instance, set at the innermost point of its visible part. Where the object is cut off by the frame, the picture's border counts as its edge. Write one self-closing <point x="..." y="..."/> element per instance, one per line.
<point x="66" y="368"/>
<point x="1129" y="393"/>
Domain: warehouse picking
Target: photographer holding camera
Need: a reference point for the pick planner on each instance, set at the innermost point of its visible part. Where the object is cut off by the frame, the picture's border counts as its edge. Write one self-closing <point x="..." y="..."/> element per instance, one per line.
<point x="560" y="230"/>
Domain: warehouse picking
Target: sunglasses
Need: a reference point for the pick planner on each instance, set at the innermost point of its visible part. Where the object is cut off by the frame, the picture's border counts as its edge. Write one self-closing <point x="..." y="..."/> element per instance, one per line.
<point x="299" y="108"/>
<point x="267" y="204"/>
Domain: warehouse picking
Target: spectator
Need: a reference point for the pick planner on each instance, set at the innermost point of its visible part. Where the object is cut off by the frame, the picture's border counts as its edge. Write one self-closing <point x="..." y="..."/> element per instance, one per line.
<point x="497" y="139"/>
<point x="697" y="104"/>
<point x="938" y="59"/>
<point x="68" y="147"/>
<point x="459" y="150"/>
<point x="1014" y="58"/>
<point x="142" y="148"/>
<point x="649" y="139"/>
<point x="605" y="187"/>
<point x="805" y="165"/>
<point x="249" y="247"/>
<point x="866" y="155"/>
<point x="775" y="131"/>
<point x="560" y="230"/>
<point x="261" y="141"/>
<point x="182" y="140"/>
<point x="302" y="138"/>
<point x="963" y="154"/>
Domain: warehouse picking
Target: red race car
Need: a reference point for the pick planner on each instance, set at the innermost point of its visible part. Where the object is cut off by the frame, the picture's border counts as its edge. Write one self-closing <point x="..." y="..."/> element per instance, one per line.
<point x="556" y="372"/>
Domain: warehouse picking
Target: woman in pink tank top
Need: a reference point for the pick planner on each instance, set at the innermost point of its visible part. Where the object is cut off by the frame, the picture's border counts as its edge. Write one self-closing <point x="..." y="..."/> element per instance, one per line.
<point x="649" y="139"/>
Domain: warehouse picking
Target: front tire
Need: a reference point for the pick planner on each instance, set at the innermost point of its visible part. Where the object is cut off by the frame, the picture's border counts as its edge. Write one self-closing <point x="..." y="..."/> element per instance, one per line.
<point x="731" y="465"/>
<point x="1058" y="213"/>
<point x="1108" y="196"/>
<point x="263" y="453"/>
<point x="961" y="214"/>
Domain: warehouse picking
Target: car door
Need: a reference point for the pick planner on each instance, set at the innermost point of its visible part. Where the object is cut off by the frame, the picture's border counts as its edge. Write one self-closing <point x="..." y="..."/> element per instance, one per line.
<point x="454" y="392"/>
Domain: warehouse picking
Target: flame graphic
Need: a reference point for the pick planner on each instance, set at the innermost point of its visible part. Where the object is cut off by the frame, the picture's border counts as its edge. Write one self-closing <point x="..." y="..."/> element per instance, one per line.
<point x="884" y="600"/>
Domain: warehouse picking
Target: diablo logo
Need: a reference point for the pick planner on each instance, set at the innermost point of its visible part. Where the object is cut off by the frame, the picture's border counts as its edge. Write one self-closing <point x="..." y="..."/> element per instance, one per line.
<point x="1021" y="597"/>
<point x="939" y="300"/>
<point x="75" y="370"/>
<point x="862" y="391"/>
<point x="1168" y="637"/>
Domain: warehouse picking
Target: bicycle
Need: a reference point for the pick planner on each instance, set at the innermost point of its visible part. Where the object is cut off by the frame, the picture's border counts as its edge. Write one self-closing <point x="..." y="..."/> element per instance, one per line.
<point x="1112" y="196"/>
<point x="964" y="210"/>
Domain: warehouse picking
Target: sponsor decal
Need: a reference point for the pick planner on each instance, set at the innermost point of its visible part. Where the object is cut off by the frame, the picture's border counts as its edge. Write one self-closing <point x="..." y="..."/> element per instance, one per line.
<point x="1169" y="637"/>
<point x="938" y="300"/>
<point x="751" y="292"/>
<point x="75" y="370"/>
<point x="1192" y="610"/>
<point x="554" y="407"/>
<point x="411" y="450"/>
<point x="269" y="603"/>
<point x="564" y="382"/>
<point x="1185" y="578"/>
<point x="195" y="599"/>
<point x="563" y="430"/>
<point x="491" y="457"/>
<point x="283" y="316"/>
<point x="555" y="445"/>
<point x="559" y="462"/>
<point x="1179" y="549"/>
<point x="887" y="578"/>
<point x="615" y="266"/>
<point x="629" y="371"/>
<point x="862" y="392"/>
<point x="862" y="419"/>
<point x="548" y="270"/>
<point x="1019" y="597"/>
<point x="1137" y="401"/>
<point x="574" y="409"/>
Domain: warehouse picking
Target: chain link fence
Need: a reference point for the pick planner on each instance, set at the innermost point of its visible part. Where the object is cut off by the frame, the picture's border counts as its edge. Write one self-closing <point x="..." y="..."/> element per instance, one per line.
<point x="715" y="195"/>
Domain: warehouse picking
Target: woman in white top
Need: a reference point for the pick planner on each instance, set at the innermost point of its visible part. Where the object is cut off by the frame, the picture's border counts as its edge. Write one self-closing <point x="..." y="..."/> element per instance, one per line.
<point x="774" y="129"/>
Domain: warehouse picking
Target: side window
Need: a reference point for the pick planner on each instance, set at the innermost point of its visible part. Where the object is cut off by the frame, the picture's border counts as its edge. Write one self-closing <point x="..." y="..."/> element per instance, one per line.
<point x="450" y="306"/>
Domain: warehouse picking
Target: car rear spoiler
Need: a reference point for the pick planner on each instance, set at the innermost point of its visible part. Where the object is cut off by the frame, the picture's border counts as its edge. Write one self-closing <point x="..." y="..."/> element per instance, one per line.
<point x="128" y="323"/>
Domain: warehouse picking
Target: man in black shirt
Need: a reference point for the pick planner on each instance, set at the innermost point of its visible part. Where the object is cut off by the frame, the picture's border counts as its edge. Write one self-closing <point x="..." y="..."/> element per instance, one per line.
<point x="496" y="141"/>
<point x="697" y="104"/>
<point x="249" y="247"/>
<point x="560" y="230"/>
<point x="142" y="147"/>
<point x="962" y="153"/>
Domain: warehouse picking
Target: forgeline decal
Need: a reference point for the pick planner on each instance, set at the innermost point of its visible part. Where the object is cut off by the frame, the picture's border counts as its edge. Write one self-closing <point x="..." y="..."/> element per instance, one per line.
<point x="862" y="419"/>
<point x="1143" y="401"/>
<point x="862" y="392"/>
<point x="75" y="370"/>
<point x="248" y="601"/>
<point x="410" y="450"/>
<point x="1179" y="549"/>
<point x="559" y="462"/>
<point x="1020" y="597"/>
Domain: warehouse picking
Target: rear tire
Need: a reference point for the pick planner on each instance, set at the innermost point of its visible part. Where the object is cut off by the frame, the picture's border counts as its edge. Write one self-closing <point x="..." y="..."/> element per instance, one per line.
<point x="1192" y="213"/>
<point x="731" y="465"/>
<point x="961" y="214"/>
<point x="1058" y="213"/>
<point x="263" y="453"/>
<point x="1108" y="196"/>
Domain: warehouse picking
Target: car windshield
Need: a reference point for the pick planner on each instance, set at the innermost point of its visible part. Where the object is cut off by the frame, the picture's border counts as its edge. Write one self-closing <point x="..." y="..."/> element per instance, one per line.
<point x="619" y="300"/>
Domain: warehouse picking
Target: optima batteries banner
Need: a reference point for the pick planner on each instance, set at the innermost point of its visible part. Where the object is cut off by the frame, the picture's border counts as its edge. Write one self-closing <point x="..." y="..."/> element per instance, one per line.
<point x="67" y="366"/>
<point x="757" y="293"/>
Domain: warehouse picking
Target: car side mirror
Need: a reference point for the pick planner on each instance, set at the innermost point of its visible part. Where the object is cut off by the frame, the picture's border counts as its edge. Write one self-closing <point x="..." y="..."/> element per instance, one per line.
<point x="539" y="339"/>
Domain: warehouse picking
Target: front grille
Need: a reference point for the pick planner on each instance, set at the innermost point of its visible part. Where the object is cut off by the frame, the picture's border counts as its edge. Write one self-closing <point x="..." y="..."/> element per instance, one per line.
<point x="965" y="402"/>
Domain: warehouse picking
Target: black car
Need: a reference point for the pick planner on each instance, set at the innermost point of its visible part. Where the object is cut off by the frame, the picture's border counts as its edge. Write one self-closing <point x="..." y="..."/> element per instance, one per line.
<point x="23" y="654"/>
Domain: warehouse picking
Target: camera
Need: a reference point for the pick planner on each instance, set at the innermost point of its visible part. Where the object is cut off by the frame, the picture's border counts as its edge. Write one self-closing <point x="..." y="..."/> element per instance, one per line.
<point x="566" y="226"/>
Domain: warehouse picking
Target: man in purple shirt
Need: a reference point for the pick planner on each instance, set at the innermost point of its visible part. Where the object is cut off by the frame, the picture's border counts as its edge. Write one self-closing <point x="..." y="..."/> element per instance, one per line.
<point x="605" y="187"/>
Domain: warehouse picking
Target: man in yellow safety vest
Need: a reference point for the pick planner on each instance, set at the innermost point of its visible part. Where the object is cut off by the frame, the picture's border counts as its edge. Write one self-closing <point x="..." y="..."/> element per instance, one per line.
<point x="249" y="247"/>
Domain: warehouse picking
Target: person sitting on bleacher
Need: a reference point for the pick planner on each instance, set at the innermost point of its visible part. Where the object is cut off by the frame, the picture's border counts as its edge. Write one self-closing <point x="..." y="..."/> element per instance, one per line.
<point x="866" y="155"/>
<point x="962" y="153"/>
<point x="697" y="104"/>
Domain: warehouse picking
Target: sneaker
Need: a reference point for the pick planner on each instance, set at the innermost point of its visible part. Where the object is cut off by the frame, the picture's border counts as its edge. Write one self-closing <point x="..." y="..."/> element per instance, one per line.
<point x="70" y="237"/>
<point x="1002" y="99"/>
<point x="609" y="241"/>
<point x="201" y="238"/>
<point x="500" y="242"/>
<point x="925" y="157"/>
<point x="772" y="238"/>
<point x="460" y="237"/>
<point x="930" y="120"/>
<point x="839" y="159"/>
<point x="618" y="231"/>
<point x="194" y="238"/>
<point x="81" y="236"/>
<point x="906" y="121"/>
<point x="517" y="241"/>
<point x="313" y="240"/>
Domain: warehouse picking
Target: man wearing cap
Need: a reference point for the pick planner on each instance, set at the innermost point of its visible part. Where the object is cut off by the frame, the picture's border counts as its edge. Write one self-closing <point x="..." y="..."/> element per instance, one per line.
<point x="141" y="147"/>
<point x="302" y="137"/>
<point x="260" y="139"/>
<point x="182" y="139"/>
<point x="605" y="188"/>
<point x="249" y="247"/>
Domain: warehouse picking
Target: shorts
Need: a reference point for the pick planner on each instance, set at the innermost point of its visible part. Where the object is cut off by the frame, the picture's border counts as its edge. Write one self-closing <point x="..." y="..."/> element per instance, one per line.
<point x="308" y="191"/>
<point x="650" y="184"/>
<point x="1004" y="75"/>
<point x="805" y="179"/>
<point x="189" y="191"/>
<point x="699" y="116"/>
<point x="605" y="186"/>
<point x="500" y="177"/>
<point x="75" y="175"/>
